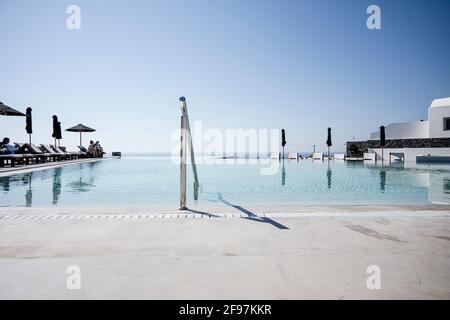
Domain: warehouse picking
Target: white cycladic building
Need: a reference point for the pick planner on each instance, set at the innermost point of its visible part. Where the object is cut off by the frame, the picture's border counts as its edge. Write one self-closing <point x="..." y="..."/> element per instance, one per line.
<point x="439" y="118"/>
<point x="437" y="126"/>
<point x="404" y="130"/>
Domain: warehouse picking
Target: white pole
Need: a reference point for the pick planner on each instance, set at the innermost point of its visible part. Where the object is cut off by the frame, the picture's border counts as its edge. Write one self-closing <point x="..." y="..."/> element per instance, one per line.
<point x="183" y="151"/>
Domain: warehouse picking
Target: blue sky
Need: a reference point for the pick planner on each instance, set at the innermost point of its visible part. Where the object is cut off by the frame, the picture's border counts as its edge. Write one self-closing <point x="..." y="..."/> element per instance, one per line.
<point x="298" y="65"/>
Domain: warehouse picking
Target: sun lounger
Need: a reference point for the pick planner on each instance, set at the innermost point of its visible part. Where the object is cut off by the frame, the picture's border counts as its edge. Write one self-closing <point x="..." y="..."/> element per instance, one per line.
<point x="71" y="155"/>
<point x="275" y="155"/>
<point x="317" y="156"/>
<point x="19" y="157"/>
<point x="14" y="159"/>
<point x="47" y="148"/>
<point x="32" y="154"/>
<point x="339" y="156"/>
<point x="83" y="152"/>
<point x="44" y="156"/>
<point x="293" y="156"/>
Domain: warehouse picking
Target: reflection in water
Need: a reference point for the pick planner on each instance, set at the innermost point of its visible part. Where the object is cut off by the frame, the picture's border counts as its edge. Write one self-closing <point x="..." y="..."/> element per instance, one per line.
<point x="81" y="185"/>
<point x="56" y="185"/>
<point x="4" y="182"/>
<point x="329" y="173"/>
<point x="446" y="185"/>
<point x="29" y="192"/>
<point x="382" y="180"/>
<point x="283" y="175"/>
<point x="19" y="180"/>
<point x="196" y="186"/>
<point x="28" y="198"/>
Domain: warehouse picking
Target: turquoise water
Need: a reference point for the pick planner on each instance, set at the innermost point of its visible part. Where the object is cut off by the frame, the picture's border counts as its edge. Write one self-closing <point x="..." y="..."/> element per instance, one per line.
<point x="155" y="181"/>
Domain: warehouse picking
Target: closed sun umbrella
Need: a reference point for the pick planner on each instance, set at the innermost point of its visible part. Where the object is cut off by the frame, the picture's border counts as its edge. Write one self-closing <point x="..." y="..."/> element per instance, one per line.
<point x="8" y="111"/>
<point x="382" y="137"/>
<point x="329" y="143"/>
<point x="55" y="123"/>
<point x="80" y="128"/>
<point x="382" y="142"/>
<point x="283" y="139"/>
<point x="57" y="134"/>
<point x="29" y="123"/>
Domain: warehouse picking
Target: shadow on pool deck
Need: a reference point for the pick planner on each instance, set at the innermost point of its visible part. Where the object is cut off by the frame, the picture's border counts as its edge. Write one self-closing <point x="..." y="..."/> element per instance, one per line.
<point x="210" y="215"/>
<point x="252" y="216"/>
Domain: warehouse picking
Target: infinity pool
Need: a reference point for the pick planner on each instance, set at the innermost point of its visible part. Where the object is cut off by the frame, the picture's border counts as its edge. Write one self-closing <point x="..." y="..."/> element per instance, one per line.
<point x="155" y="181"/>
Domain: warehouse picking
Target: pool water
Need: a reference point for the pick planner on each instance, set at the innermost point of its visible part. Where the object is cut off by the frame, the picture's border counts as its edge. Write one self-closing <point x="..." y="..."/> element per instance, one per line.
<point x="155" y="181"/>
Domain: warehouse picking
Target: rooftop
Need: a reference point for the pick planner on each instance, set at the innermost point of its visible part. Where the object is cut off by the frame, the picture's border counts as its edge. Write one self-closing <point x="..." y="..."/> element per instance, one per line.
<point x="442" y="102"/>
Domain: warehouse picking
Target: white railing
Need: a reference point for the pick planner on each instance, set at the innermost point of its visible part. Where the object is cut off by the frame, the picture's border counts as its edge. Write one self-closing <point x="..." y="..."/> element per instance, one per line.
<point x="186" y="139"/>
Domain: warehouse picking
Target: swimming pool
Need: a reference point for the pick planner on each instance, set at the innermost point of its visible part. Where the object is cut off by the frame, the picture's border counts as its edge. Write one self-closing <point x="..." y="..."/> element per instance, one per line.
<point x="155" y="181"/>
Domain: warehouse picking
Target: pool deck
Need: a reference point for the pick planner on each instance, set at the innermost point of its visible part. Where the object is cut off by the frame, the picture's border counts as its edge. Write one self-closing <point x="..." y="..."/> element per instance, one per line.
<point x="265" y="252"/>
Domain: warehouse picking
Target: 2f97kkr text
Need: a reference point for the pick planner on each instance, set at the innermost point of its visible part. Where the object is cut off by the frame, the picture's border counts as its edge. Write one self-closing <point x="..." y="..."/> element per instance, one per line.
<point x="248" y="309"/>
<point x="227" y="309"/>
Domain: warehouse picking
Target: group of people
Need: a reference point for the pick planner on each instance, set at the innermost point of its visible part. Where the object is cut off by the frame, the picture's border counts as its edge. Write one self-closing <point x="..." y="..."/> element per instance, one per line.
<point x="95" y="150"/>
<point x="7" y="148"/>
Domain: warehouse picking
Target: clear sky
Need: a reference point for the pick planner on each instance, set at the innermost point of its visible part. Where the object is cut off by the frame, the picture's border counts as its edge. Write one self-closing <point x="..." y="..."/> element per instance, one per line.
<point x="298" y="65"/>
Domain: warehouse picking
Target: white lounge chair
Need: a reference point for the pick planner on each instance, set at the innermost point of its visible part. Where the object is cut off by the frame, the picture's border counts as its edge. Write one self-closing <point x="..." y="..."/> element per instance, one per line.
<point x="275" y="155"/>
<point x="317" y="156"/>
<point x="339" y="156"/>
<point x="293" y="155"/>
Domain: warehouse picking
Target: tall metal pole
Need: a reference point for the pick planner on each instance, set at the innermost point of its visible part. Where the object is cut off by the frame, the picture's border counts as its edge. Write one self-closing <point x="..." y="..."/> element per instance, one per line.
<point x="183" y="143"/>
<point x="186" y="138"/>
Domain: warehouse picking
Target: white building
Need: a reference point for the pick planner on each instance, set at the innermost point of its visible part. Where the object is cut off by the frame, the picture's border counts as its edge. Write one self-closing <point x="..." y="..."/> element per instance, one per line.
<point x="404" y="130"/>
<point x="439" y="118"/>
<point x="437" y="126"/>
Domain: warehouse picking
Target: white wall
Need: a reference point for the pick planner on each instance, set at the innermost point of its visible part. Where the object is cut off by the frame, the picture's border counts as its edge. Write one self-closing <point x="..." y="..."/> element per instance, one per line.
<point x="436" y="117"/>
<point x="410" y="153"/>
<point x="404" y="130"/>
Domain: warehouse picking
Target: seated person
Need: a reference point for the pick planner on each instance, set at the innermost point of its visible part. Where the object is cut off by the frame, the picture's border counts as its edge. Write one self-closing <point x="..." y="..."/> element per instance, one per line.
<point x="100" y="151"/>
<point x="91" y="149"/>
<point x="7" y="148"/>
